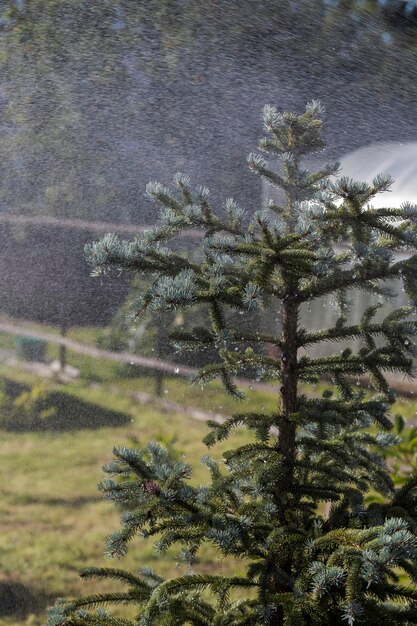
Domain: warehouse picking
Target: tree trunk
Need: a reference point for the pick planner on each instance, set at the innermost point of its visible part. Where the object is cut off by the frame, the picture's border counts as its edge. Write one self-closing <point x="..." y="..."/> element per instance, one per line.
<point x="159" y="383"/>
<point x="161" y="349"/>
<point x="287" y="429"/>
<point x="63" y="350"/>
<point x="289" y="379"/>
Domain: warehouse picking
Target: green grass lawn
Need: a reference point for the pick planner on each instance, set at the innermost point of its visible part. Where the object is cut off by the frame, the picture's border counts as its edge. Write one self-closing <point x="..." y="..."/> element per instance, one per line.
<point x="52" y="518"/>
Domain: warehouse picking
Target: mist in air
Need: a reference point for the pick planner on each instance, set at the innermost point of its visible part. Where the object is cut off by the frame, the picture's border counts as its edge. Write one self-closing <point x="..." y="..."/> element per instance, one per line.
<point x="98" y="98"/>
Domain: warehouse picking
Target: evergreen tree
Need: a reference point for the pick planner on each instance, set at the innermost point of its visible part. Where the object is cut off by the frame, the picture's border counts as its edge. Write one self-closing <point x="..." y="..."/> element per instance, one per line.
<point x="357" y="563"/>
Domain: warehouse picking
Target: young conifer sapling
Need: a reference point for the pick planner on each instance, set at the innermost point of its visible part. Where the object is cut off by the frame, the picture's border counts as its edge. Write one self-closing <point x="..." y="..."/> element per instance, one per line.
<point x="301" y="563"/>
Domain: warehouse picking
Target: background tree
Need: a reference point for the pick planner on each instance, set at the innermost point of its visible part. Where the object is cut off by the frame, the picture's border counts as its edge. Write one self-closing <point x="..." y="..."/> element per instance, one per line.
<point x="264" y="501"/>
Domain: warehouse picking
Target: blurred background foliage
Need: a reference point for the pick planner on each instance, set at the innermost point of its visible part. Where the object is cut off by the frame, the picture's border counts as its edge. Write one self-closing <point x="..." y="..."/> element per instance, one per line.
<point x="96" y="98"/>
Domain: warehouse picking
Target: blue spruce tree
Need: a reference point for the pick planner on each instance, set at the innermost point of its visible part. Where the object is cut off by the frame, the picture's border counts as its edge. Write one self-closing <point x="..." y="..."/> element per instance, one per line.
<point x="263" y="505"/>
